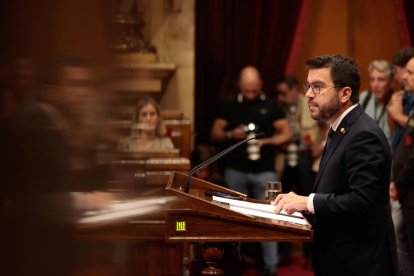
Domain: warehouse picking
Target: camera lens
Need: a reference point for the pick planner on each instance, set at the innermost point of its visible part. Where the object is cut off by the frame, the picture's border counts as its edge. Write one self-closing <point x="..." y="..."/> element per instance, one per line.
<point x="253" y="149"/>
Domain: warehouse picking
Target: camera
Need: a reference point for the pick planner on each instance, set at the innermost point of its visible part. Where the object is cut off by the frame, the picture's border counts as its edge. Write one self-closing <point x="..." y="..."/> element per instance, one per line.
<point x="251" y="127"/>
<point x="292" y="157"/>
<point x="253" y="149"/>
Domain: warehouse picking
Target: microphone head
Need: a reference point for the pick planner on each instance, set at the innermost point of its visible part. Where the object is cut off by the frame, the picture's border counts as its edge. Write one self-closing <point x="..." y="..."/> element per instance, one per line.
<point x="259" y="135"/>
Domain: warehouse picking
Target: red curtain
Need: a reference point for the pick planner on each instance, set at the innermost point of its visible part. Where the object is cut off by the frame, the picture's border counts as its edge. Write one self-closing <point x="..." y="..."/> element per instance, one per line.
<point x="405" y="19"/>
<point x="231" y="34"/>
<point x="298" y="39"/>
<point x="409" y="8"/>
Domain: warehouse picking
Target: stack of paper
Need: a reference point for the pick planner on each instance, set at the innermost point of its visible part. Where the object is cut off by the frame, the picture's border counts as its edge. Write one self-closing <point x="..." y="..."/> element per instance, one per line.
<point x="261" y="210"/>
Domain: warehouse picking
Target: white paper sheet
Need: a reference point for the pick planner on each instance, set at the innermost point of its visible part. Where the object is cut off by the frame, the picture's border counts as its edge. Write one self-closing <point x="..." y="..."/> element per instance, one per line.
<point x="269" y="208"/>
<point x="261" y="214"/>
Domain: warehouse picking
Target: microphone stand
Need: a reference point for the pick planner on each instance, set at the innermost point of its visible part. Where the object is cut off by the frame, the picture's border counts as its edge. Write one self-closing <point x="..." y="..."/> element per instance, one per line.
<point x="215" y="158"/>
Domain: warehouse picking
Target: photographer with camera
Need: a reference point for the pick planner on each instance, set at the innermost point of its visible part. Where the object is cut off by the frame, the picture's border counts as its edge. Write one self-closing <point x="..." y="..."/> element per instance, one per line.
<point x="247" y="168"/>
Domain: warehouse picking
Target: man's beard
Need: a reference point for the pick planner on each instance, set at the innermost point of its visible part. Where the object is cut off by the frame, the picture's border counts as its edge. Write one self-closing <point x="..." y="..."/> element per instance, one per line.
<point x="328" y="110"/>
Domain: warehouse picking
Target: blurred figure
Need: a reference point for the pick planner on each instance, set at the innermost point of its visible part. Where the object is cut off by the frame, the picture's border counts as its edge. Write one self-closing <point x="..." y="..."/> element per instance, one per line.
<point x="301" y="154"/>
<point x="7" y="97"/>
<point x="69" y="84"/>
<point x="36" y="214"/>
<point x="148" y="131"/>
<point x="399" y="108"/>
<point x="374" y="101"/>
<point x="23" y="79"/>
<point x="401" y="101"/>
<point x="200" y="154"/>
<point x="247" y="168"/>
<point x="399" y="61"/>
<point x="402" y="187"/>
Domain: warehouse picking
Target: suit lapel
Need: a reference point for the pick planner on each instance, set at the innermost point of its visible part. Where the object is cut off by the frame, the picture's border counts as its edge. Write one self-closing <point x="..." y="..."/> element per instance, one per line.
<point x="343" y="128"/>
<point x="335" y="140"/>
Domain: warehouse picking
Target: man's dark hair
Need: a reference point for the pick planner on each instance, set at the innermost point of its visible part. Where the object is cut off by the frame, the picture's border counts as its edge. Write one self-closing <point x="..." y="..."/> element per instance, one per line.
<point x="290" y="81"/>
<point x="52" y="69"/>
<point x="403" y="56"/>
<point x="344" y="72"/>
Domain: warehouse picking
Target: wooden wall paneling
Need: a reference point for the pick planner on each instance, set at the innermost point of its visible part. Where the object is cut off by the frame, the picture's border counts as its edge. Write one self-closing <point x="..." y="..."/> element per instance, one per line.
<point x="364" y="30"/>
<point x="375" y="33"/>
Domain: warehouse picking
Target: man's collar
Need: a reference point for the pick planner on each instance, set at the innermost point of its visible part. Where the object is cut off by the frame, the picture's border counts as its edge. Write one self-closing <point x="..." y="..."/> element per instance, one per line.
<point x="335" y="124"/>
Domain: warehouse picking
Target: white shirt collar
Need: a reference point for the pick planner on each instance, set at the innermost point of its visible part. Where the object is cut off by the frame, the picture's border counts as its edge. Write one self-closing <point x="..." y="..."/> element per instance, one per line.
<point x="335" y="124"/>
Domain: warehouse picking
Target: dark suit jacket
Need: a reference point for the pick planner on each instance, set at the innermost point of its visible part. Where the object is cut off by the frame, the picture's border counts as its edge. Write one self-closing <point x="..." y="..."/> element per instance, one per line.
<point x="404" y="178"/>
<point x="354" y="233"/>
<point x="403" y="166"/>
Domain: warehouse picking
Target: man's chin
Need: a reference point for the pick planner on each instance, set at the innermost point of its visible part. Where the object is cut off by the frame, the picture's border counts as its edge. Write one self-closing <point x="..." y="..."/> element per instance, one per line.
<point x="315" y="117"/>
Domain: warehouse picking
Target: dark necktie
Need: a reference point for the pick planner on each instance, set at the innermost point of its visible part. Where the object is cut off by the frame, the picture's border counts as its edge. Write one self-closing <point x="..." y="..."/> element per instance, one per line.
<point x="328" y="141"/>
<point x="330" y="133"/>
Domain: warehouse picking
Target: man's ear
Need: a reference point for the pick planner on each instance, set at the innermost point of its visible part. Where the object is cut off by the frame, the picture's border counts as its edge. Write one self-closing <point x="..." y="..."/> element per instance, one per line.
<point x="345" y="94"/>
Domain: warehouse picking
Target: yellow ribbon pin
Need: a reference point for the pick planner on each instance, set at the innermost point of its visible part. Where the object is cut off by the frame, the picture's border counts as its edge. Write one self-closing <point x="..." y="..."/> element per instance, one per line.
<point x="342" y="130"/>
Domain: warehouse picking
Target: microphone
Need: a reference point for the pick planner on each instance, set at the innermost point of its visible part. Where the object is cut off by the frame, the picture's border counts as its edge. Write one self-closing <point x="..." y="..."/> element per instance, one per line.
<point x="216" y="157"/>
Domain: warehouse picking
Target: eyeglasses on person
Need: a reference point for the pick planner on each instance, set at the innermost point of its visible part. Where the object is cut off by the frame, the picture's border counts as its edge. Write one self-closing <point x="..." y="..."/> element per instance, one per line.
<point x="316" y="87"/>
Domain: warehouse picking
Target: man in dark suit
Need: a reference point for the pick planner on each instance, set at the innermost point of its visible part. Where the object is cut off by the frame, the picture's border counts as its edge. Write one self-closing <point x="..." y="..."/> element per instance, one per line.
<point x="349" y="206"/>
<point x="403" y="170"/>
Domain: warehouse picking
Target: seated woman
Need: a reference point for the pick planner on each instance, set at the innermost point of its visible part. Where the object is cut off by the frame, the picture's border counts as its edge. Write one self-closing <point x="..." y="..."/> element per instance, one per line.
<point x="148" y="133"/>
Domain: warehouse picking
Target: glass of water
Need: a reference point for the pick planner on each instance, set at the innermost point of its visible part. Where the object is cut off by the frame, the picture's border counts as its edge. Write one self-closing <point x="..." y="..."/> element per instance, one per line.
<point x="272" y="189"/>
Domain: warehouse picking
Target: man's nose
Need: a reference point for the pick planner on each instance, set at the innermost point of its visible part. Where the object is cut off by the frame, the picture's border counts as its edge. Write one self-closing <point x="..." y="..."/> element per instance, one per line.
<point x="374" y="82"/>
<point x="309" y="93"/>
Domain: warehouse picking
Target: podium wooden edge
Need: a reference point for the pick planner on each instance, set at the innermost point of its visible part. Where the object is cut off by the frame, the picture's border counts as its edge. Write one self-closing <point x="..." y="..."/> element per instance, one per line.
<point x="187" y="208"/>
<point x="203" y="183"/>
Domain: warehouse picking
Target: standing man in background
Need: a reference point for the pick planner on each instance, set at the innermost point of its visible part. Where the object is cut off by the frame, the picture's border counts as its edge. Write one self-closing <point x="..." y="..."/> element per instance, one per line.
<point x="399" y="107"/>
<point x="401" y="101"/>
<point x="403" y="175"/>
<point x="349" y="206"/>
<point x="301" y="152"/>
<point x="374" y="101"/>
<point x="247" y="168"/>
<point x="301" y="155"/>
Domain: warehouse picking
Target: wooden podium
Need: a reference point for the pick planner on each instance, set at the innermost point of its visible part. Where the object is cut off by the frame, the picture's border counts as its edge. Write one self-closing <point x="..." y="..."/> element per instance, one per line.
<point x="161" y="240"/>
<point x="194" y="217"/>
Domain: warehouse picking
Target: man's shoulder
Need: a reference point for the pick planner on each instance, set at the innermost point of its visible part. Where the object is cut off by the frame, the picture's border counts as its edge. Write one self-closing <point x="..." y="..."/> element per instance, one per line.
<point x="364" y="98"/>
<point x="364" y="121"/>
<point x="358" y="120"/>
<point x="363" y="94"/>
<point x="365" y="125"/>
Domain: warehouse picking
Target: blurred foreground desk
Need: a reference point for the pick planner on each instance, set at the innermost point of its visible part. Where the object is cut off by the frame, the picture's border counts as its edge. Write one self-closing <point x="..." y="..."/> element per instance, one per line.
<point x="142" y="227"/>
<point x="166" y="226"/>
<point x="148" y="175"/>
